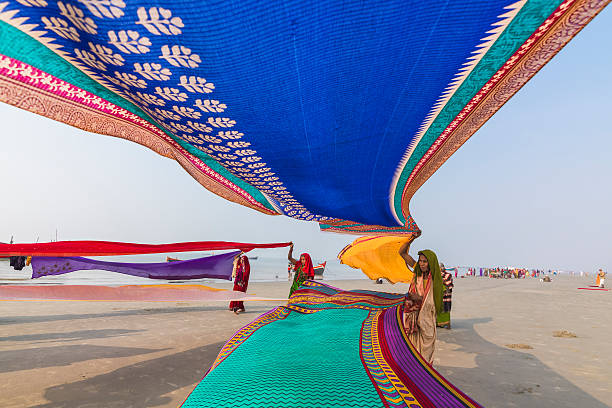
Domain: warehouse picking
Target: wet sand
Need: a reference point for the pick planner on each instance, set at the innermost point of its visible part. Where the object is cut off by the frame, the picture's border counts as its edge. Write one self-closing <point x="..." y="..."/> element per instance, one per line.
<point x="136" y="354"/>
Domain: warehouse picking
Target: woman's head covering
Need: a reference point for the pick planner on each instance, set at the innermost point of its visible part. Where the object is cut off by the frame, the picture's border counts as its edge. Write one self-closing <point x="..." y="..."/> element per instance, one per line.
<point x="434" y="269"/>
<point x="307" y="266"/>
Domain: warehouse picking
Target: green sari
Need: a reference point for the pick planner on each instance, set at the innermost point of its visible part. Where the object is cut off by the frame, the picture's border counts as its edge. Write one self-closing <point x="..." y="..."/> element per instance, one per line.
<point x="298" y="278"/>
<point x="443" y="319"/>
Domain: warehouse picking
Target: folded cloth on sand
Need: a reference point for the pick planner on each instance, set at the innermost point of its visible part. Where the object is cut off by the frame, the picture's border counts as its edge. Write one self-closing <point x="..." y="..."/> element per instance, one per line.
<point x="595" y="289"/>
<point x="377" y="257"/>
<point x="213" y="267"/>
<point x="325" y="348"/>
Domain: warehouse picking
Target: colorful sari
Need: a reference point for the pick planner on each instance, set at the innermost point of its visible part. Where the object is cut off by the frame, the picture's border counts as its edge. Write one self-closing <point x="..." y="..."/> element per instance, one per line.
<point x="326" y="348"/>
<point x="303" y="271"/>
<point x="431" y="290"/>
<point x="241" y="281"/>
<point x="601" y="279"/>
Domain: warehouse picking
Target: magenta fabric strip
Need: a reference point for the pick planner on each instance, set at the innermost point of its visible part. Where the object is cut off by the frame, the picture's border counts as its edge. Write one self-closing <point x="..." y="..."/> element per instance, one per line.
<point x="404" y="357"/>
<point x="214" y="267"/>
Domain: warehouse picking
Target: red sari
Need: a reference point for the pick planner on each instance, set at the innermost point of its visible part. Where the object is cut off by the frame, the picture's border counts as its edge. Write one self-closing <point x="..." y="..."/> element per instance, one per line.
<point x="241" y="281"/>
<point x="303" y="271"/>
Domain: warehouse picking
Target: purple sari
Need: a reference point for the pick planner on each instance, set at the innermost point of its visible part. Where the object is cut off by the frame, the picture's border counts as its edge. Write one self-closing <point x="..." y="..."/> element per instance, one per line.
<point x="214" y="267"/>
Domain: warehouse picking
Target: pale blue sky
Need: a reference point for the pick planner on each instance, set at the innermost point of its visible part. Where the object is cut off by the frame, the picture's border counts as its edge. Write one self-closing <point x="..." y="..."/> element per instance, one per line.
<point x="530" y="188"/>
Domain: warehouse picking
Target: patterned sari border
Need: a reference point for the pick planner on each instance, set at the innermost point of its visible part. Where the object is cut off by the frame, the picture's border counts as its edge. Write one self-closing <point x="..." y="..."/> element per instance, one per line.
<point x="550" y="37"/>
<point x="243" y="334"/>
<point x="490" y="37"/>
<point x="354" y="228"/>
<point x="308" y="299"/>
<point x="460" y="396"/>
<point x="29" y="88"/>
<point x="370" y="365"/>
<point x="395" y="392"/>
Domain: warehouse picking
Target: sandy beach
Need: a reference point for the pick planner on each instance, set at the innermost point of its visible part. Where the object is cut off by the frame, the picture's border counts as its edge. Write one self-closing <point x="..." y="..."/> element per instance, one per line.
<point x="136" y="354"/>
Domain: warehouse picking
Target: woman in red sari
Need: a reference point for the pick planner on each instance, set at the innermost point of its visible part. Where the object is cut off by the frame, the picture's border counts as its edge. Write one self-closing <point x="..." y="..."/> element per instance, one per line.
<point x="241" y="275"/>
<point x="303" y="269"/>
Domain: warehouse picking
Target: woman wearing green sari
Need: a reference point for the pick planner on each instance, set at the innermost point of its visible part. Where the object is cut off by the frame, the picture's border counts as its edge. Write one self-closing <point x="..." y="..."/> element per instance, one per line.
<point x="303" y="269"/>
<point x="425" y="298"/>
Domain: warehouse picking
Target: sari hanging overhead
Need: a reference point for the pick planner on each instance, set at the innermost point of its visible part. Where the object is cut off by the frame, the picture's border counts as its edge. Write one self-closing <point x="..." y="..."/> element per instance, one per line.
<point x="108" y="248"/>
<point x="211" y="267"/>
<point x="330" y="111"/>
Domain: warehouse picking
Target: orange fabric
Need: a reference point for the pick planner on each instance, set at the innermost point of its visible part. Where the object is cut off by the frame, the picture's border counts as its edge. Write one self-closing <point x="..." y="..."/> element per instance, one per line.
<point x="378" y="257"/>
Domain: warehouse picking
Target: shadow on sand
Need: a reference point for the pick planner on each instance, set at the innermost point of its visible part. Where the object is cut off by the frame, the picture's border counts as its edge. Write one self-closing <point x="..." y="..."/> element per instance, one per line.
<point x="27" y="359"/>
<point x="139" y="385"/>
<point x="70" y="336"/>
<point x="118" y="313"/>
<point x="507" y="378"/>
<point x="260" y="308"/>
<point x="502" y="377"/>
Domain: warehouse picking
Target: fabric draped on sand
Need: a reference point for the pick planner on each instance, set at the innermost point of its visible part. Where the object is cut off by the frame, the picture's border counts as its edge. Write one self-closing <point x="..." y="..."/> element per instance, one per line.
<point x="212" y="267"/>
<point x="358" y="104"/>
<point x="377" y="257"/>
<point x="326" y="348"/>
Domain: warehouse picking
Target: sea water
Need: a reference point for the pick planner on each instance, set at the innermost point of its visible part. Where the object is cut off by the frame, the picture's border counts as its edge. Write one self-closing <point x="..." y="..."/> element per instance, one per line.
<point x="263" y="269"/>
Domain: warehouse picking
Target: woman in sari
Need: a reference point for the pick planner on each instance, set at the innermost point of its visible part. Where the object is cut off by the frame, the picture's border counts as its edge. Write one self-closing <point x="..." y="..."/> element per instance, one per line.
<point x="447" y="280"/>
<point x="303" y="269"/>
<point x="242" y="271"/>
<point x="423" y="301"/>
<point x="601" y="278"/>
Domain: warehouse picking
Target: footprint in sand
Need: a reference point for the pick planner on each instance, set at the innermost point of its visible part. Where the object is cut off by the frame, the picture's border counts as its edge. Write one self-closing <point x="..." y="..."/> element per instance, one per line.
<point x="564" y="333"/>
<point x="519" y="346"/>
<point x="521" y="389"/>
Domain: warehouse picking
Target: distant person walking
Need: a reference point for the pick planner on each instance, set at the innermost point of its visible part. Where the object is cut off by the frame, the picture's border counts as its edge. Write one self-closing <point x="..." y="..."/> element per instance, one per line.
<point x="425" y="295"/>
<point x="303" y="269"/>
<point x="241" y="274"/>
<point x="443" y="318"/>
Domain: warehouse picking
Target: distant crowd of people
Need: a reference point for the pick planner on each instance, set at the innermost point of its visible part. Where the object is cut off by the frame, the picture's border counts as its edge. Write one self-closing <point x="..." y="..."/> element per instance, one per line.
<point x="522" y="273"/>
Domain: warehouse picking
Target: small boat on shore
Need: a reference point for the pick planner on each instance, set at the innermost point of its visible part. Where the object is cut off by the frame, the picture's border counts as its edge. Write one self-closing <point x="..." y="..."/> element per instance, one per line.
<point x="319" y="269"/>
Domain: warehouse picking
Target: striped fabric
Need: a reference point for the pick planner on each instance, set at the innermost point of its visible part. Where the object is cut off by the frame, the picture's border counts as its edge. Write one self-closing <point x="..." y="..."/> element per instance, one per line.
<point x="325" y="348"/>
